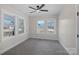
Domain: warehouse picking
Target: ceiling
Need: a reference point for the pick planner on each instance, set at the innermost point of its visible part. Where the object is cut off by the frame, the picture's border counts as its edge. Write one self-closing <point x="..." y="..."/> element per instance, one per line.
<point x="53" y="9"/>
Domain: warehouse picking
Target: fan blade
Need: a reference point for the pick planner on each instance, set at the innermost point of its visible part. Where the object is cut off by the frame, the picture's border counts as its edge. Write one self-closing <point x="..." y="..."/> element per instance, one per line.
<point x="42" y="6"/>
<point x="44" y="10"/>
<point x="32" y="11"/>
<point x="32" y="8"/>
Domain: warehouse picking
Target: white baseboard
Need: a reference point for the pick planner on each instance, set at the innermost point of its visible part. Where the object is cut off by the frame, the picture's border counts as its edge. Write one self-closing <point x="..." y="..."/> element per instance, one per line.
<point x="5" y="46"/>
<point x="70" y="51"/>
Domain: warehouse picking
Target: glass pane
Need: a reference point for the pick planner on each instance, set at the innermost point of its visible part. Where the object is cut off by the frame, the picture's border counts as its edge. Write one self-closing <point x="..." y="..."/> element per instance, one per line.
<point x="52" y="26"/>
<point x="40" y="26"/>
<point x="9" y="25"/>
<point x="20" y="26"/>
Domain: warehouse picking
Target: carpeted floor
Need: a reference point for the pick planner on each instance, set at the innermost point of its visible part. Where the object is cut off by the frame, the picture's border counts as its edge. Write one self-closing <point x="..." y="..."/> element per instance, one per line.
<point x="37" y="47"/>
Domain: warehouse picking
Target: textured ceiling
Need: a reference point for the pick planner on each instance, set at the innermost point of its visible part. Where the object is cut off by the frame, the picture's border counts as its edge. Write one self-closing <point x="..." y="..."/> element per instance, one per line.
<point x="53" y="9"/>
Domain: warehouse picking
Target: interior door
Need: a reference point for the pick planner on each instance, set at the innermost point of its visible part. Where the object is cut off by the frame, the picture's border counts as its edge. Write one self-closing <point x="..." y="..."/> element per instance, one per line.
<point x="78" y="34"/>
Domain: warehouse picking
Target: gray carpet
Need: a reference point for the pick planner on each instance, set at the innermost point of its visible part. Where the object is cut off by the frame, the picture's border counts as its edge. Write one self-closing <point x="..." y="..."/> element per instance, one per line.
<point x="37" y="47"/>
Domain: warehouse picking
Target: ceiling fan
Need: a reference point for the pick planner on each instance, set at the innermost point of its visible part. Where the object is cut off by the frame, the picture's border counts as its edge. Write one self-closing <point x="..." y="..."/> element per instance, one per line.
<point x="38" y="8"/>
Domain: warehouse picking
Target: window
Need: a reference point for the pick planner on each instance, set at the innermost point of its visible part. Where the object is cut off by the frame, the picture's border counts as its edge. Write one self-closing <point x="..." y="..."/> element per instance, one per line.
<point x="20" y="26"/>
<point x="51" y="26"/>
<point x="40" y="26"/>
<point x="8" y="25"/>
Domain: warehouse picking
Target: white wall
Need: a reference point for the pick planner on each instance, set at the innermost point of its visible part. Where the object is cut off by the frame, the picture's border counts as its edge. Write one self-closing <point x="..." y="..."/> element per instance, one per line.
<point x="67" y="27"/>
<point x="32" y="28"/>
<point x="7" y="44"/>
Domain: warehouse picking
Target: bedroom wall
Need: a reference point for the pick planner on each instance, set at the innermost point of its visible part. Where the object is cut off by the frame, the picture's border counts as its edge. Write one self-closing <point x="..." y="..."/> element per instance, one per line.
<point x="7" y="44"/>
<point x="33" y="32"/>
<point x="67" y="28"/>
